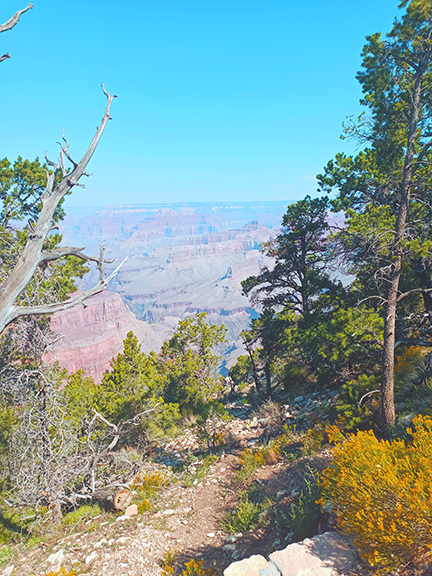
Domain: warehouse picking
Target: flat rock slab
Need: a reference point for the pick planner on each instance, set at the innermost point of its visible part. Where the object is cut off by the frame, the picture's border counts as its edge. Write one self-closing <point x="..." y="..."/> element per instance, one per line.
<point x="253" y="566"/>
<point x="323" y="555"/>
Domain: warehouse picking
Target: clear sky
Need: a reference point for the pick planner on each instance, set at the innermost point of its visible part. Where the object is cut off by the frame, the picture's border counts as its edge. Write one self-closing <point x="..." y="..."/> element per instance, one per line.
<point x="219" y="100"/>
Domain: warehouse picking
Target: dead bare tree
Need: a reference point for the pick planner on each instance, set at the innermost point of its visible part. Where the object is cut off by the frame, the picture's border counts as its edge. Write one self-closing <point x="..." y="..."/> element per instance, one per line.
<point x="59" y="182"/>
<point x="51" y="458"/>
<point x="10" y="24"/>
<point x="45" y="454"/>
<point x="33" y="254"/>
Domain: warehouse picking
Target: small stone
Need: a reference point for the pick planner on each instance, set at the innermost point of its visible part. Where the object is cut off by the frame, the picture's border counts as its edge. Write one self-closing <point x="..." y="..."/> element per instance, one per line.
<point x="299" y="399"/>
<point x="56" y="558"/>
<point x="121" y="518"/>
<point x="211" y="535"/>
<point x="229" y="547"/>
<point x="184" y="522"/>
<point x="122" y="540"/>
<point x="100" y="543"/>
<point x="91" y="557"/>
<point x="131" y="510"/>
<point x="8" y="571"/>
<point x="232" y="539"/>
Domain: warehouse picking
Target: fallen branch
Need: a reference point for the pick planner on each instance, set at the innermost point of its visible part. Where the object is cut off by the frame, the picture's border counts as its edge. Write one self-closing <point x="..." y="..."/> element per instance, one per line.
<point x="365" y="396"/>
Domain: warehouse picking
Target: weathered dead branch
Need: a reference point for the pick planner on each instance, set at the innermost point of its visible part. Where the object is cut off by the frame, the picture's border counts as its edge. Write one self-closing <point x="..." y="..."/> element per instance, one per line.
<point x="10" y="24"/>
<point x="33" y="254"/>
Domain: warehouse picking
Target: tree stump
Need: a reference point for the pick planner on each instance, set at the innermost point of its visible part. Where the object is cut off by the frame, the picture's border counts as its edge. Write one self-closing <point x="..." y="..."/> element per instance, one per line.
<point x="113" y="499"/>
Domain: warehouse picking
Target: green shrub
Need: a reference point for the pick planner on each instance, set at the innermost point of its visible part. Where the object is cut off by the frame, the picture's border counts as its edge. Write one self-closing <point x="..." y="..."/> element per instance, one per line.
<point x="15" y="525"/>
<point x="352" y="415"/>
<point x="247" y="515"/>
<point x="294" y="376"/>
<point x="304" y="515"/>
<point x="85" y="510"/>
<point x="198" y="471"/>
<point x="5" y="555"/>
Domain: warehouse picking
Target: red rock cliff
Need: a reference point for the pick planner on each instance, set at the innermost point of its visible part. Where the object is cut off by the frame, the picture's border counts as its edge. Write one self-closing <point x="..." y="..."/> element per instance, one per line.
<point x="94" y="333"/>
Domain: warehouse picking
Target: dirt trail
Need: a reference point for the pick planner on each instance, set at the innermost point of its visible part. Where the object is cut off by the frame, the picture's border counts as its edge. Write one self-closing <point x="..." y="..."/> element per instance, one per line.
<point x="184" y="519"/>
<point x="187" y="520"/>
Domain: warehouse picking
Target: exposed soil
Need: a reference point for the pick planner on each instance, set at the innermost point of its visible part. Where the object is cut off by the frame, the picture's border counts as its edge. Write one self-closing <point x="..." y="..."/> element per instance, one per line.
<point x="184" y="519"/>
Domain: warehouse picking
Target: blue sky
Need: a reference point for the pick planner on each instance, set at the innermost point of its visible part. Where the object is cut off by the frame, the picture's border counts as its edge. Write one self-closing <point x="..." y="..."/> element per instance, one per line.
<point x="219" y="100"/>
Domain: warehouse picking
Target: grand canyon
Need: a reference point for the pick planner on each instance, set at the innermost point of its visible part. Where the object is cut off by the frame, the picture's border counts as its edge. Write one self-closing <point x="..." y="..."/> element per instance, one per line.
<point x="182" y="259"/>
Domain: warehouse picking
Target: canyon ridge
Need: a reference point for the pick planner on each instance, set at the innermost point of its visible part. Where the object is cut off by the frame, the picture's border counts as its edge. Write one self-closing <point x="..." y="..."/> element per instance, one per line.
<point x="183" y="258"/>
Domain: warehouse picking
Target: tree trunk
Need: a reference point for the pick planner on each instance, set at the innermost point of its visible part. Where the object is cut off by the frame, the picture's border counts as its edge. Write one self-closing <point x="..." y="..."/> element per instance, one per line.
<point x="112" y="499"/>
<point x="254" y="368"/>
<point x="267" y="373"/>
<point x="387" y="384"/>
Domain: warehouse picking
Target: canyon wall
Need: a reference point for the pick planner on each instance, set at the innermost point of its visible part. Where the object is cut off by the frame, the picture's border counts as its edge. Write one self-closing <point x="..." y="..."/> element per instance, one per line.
<point x="182" y="259"/>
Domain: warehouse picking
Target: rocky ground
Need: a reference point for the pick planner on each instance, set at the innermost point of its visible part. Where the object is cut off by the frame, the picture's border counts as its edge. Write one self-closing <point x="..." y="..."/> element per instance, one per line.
<point x="185" y="520"/>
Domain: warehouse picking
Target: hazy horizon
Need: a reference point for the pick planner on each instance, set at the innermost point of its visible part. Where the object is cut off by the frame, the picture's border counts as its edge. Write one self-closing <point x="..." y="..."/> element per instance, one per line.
<point x="218" y="101"/>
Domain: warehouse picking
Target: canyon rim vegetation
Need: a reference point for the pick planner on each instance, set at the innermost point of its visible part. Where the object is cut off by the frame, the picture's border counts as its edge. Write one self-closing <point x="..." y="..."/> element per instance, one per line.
<point x="337" y="366"/>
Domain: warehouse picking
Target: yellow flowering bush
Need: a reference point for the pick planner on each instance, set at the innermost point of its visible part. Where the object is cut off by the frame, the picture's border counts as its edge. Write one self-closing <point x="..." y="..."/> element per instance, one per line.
<point x="382" y="493"/>
<point x="406" y="363"/>
<point x="253" y="458"/>
<point x="62" y="572"/>
<point x="143" y="506"/>
<point x="148" y="485"/>
<point x="193" y="568"/>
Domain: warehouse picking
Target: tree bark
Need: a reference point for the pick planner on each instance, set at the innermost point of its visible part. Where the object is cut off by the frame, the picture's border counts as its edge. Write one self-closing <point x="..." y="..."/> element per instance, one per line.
<point x="267" y="373"/>
<point x="387" y="385"/>
<point x="254" y="367"/>
<point x="112" y="499"/>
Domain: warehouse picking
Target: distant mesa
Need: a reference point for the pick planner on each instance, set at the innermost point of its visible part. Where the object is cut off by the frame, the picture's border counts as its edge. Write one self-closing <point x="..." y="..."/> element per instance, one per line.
<point x="183" y="258"/>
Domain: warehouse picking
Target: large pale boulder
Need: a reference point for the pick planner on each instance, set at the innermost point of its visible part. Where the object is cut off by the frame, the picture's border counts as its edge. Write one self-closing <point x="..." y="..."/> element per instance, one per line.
<point x="253" y="566"/>
<point x="323" y="555"/>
